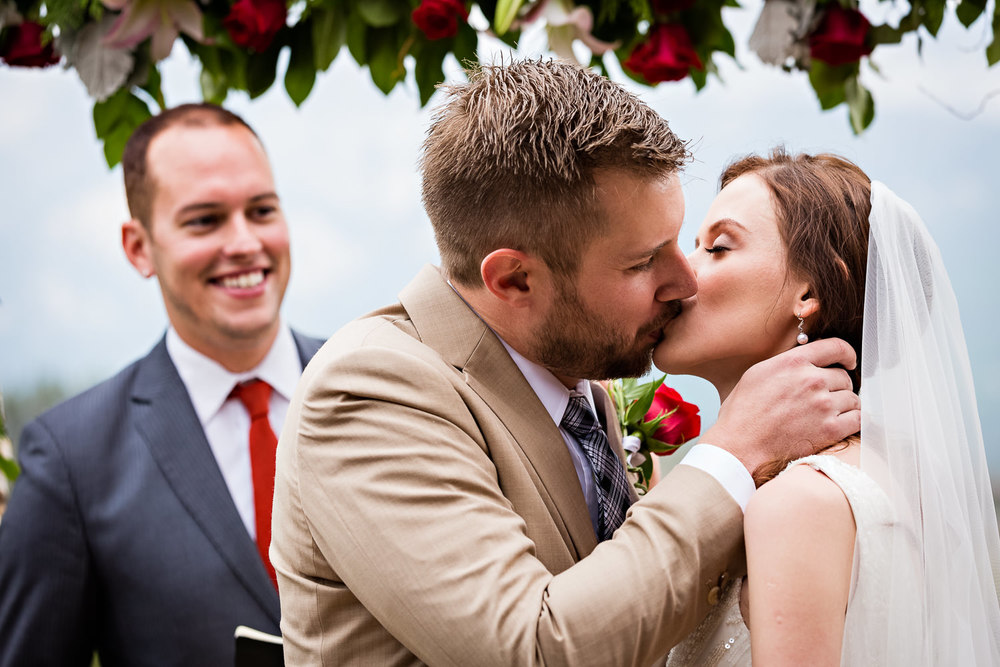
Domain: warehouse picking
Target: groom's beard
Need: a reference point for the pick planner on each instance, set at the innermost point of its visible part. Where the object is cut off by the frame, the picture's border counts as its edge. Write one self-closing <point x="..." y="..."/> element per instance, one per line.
<point x="576" y="342"/>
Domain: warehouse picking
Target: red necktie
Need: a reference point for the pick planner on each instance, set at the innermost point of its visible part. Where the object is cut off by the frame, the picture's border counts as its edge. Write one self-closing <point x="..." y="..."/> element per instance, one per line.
<point x="255" y="395"/>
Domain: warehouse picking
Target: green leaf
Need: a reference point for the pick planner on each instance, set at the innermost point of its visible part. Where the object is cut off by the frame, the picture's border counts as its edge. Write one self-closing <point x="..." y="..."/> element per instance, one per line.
<point x="261" y="71"/>
<point x="114" y="121"/>
<point x="384" y="62"/>
<point x="428" y="70"/>
<point x="993" y="52"/>
<point x="860" y="104"/>
<point x="9" y="468"/>
<point x="114" y="144"/>
<point x="357" y="38"/>
<point x="108" y="113"/>
<point x="301" y="73"/>
<point x="505" y="15"/>
<point x="466" y="45"/>
<point x="382" y="13"/>
<point x="885" y="34"/>
<point x="213" y="88"/>
<point x="933" y="16"/>
<point x="970" y="10"/>
<point x="828" y="82"/>
<point x="329" y="32"/>
<point x="153" y="86"/>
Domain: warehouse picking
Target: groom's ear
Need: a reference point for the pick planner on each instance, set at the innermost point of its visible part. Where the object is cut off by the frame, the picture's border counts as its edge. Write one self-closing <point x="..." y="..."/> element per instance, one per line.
<point x="135" y="243"/>
<point x="511" y="276"/>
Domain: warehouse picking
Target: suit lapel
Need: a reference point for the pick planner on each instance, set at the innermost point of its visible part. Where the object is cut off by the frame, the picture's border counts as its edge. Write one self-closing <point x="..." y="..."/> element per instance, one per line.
<point x="448" y="325"/>
<point x="170" y="427"/>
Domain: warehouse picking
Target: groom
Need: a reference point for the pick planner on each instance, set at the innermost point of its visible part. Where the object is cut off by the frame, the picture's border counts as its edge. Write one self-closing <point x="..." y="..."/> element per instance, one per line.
<point x="449" y="488"/>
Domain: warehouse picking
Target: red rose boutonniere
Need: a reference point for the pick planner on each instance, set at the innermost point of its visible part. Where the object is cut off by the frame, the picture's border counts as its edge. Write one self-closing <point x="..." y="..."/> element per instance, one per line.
<point x="654" y="420"/>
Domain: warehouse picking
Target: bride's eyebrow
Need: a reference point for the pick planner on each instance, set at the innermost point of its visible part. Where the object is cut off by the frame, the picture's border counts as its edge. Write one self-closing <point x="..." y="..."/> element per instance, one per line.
<point x="722" y="222"/>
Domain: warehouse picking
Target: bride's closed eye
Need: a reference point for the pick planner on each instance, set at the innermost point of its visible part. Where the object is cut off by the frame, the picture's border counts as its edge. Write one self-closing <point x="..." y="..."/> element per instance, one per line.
<point x="711" y="250"/>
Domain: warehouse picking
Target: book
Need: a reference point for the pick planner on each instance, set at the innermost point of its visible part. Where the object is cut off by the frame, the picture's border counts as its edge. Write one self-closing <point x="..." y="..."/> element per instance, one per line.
<point x="255" y="648"/>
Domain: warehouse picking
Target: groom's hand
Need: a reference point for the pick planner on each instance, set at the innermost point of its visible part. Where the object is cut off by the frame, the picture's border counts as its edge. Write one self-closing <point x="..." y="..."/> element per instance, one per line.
<point x="791" y="405"/>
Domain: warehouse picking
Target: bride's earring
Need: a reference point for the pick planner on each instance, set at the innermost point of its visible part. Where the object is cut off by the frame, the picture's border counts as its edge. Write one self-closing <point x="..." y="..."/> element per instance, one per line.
<point x="802" y="338"/>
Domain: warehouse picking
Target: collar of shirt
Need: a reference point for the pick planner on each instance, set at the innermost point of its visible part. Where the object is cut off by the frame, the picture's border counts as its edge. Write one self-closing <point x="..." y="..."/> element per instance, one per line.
<point x="209" y="384"/>
<point x="550" y="391"/>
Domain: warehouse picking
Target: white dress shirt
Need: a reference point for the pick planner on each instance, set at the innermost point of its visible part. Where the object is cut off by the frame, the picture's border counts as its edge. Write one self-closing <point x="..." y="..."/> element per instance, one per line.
<point x="225" y="420"/>
<point x="717" y="462"/>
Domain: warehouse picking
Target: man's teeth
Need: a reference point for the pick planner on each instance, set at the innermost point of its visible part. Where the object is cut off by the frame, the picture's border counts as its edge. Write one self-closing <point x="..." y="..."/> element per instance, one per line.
<point x="244" y="280"/>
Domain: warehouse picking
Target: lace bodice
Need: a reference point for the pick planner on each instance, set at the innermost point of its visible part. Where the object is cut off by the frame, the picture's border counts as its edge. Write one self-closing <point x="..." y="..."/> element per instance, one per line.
<point x="722" y="638"/>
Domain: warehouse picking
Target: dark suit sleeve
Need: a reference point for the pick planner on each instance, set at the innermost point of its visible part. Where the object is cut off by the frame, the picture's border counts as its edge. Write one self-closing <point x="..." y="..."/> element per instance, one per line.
<point x="47" y="592"/>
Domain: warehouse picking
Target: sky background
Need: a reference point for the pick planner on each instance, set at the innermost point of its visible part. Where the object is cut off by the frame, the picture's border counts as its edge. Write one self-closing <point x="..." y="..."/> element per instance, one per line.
<point x="73" y="311"/>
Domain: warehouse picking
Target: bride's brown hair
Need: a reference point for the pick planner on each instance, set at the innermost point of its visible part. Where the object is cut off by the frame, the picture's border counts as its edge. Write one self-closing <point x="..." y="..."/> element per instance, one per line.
<point x="822" y="204"/>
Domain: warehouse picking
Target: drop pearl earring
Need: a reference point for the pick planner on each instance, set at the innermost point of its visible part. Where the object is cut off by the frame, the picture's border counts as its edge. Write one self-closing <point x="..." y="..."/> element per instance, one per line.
<point x="802" y="338"/>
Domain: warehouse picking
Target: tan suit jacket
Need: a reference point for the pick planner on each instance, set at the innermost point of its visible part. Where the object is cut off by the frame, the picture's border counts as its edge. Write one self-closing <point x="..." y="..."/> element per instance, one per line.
<point x="427" y="511"/>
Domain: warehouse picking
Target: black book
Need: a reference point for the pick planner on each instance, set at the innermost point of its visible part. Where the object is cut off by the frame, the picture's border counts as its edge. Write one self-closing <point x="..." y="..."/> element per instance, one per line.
<point x="255" y="648"/>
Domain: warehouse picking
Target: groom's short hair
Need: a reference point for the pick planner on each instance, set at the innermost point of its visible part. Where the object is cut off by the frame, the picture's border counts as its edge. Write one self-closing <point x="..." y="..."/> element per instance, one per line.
<point x="510" y="157"/>
<point x="139" y="184"/>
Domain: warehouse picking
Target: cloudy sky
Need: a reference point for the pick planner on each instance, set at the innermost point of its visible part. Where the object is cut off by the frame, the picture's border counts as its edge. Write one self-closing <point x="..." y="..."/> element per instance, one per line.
<point x="74" y="311"/>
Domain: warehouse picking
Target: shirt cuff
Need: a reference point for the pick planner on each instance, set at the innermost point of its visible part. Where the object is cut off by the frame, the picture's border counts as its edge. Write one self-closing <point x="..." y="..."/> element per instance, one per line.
<point x="725" y="468"/>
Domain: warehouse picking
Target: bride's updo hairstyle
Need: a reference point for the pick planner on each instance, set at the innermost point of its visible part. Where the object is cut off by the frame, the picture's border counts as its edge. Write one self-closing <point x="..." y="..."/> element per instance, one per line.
<point x="822" y="203"/>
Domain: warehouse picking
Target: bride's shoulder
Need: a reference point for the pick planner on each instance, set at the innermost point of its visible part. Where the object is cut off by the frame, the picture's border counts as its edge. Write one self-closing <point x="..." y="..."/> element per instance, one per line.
<point x="800" y="499"/>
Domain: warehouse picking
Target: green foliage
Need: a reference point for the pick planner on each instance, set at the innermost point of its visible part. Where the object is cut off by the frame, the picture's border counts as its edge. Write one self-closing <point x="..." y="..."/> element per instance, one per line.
<point x="381" y="35"/>
<point x="114" y="120"/>
<point x="8" y="467"/>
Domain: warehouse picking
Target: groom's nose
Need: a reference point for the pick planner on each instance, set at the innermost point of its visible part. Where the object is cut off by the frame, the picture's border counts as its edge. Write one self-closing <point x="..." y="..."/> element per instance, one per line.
<point x="677" y="279"/>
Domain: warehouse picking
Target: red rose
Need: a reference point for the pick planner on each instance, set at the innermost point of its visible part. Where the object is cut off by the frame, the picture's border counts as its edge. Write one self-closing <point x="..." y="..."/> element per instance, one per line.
<point x="23" y="47"/>
<point x="439" y="18"/>
<point x="666" y="55"/>
<point x="683" y="425"/>
<point x="840" y="37"/>
<point x="253" y="24"/>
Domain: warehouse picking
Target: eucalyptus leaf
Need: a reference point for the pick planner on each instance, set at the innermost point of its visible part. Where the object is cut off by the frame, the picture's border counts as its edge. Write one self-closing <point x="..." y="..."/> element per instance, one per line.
<point x="382" y="13"/>
<point x="301" y="73"/>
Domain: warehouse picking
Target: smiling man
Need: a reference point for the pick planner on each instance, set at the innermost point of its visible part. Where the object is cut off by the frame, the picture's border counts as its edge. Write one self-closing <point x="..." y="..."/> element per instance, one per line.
<point x="450" y="487"/>
<point x="140" y="526"/>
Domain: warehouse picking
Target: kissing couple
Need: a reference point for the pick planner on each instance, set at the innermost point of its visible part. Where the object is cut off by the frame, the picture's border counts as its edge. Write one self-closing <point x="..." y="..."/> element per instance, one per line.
<point x="450" y="480"/>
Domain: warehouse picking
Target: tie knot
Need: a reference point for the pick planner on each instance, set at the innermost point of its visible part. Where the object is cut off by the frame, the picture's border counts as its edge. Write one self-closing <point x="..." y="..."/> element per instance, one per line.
<point x="255" y="395"/>
<point x="579" y="419"/>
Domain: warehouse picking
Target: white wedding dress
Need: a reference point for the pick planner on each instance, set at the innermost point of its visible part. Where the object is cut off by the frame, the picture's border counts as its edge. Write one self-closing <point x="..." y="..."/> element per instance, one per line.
<point x="722" y="638"/>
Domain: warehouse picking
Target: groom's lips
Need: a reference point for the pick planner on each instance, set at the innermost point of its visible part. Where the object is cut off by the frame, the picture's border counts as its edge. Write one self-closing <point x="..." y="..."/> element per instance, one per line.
<point x="672" y="310"/>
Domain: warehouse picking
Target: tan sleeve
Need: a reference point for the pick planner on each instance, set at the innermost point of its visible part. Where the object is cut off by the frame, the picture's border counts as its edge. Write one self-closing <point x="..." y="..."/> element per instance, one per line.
<point x="402" y="501"/>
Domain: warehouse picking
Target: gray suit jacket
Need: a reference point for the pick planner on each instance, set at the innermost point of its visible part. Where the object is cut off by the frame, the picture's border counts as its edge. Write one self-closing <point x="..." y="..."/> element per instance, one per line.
<point x="426" y="510"/>
<point x="121" y="535"/>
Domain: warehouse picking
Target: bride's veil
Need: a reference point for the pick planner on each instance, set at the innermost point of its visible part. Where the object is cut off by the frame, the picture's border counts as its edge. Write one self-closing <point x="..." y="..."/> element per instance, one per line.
<point x="922" y="442"/>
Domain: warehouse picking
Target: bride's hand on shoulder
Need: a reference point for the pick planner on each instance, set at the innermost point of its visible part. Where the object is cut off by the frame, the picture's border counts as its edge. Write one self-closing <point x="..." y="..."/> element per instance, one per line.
<point x="791" y="405"/>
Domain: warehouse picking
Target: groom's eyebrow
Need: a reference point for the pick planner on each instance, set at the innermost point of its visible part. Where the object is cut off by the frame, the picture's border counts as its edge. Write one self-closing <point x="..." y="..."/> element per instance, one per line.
<point x="646" y="253"/>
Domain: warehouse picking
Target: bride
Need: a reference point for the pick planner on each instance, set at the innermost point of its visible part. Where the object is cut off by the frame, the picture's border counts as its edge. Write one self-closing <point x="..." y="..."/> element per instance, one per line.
<point x="882" y="550"/>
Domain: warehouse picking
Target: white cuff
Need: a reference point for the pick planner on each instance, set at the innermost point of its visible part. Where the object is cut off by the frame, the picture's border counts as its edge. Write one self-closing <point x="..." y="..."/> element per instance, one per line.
<point x="725" y="468"/>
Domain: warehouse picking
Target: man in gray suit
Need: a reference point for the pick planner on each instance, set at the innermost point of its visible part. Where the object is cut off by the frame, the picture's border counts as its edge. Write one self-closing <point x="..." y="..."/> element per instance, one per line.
<point x="140" y="525"/>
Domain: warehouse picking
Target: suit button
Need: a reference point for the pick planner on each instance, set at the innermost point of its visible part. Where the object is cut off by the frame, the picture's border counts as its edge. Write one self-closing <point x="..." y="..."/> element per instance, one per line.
<point x="713" y="596"/>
